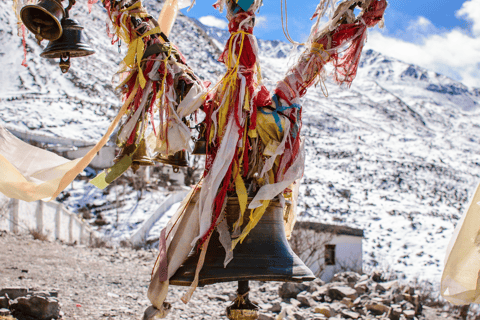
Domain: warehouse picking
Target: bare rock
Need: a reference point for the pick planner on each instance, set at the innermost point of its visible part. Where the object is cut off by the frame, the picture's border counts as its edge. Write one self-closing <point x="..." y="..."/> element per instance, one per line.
<point x="290" y="290"/>
<point x="347" y="302"/>
<point x="409" y="314"/>
<point x="350" y="314"/>
<point x="314" y="285"/>
<point x="377" y="276"/>
<point x="409" y="290"/>
<point x="398" y="298"/>
<point x="14" y="293"/>
<point x="325" y="309"/>
<point x="290" y="310"/>
<point x="263" y="316"/>
<point x="36" y="306"/>
<point x="306" y="299"/>
<point x="407" y="305"/>
<point x="299" y="316"/>
<point x="395" y="312"/>
<point x="3" y="302"/>
<point x="294" y="302"/>
<point x="377" y="308"/>
<point x="338" y="293"/>
<point x="4" y="312"/>
<point x="361" y="287"/>
<point x="386" y="286"/>
<point x="276" y="307"/>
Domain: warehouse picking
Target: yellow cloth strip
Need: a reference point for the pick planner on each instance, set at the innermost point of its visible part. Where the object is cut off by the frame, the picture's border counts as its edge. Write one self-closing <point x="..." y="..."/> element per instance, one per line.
<point x="136" y="49"/>
<point x="241" y="194"/>
<point x="246" y="106"/>
<point x="14" y="185"/>
<point x="222" y="115"/>
<point x="255" y="216"/>
<point x="132" y="7"/>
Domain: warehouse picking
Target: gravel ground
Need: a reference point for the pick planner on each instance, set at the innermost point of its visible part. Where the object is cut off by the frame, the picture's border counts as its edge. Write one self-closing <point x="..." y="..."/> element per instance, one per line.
<point x="111" y="283"/>
<point x="105" y="283"/>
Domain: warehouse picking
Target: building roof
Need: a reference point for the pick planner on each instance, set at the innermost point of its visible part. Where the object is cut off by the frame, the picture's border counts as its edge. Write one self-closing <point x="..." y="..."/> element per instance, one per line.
<point x="336" y="229"/>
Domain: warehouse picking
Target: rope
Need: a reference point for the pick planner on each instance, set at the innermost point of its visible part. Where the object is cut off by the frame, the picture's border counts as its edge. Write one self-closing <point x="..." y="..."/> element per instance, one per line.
<point x="240" y="299"/>
<point x="285" y="28"/>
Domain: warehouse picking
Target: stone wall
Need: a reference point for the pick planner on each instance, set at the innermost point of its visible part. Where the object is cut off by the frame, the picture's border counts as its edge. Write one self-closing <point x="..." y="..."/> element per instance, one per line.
<point x="50" y="219"/>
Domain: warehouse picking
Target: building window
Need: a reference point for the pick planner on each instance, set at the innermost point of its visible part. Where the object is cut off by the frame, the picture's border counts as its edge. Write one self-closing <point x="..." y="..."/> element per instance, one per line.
<point x="330" y="254"/>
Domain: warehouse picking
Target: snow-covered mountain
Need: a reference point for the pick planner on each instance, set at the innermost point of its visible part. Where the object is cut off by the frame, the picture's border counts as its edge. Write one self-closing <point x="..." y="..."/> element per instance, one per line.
<point x="396" y="154"/>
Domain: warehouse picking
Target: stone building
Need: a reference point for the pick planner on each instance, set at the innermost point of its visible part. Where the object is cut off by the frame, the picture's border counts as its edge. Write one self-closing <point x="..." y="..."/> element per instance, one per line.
<point x="327" y="249"/>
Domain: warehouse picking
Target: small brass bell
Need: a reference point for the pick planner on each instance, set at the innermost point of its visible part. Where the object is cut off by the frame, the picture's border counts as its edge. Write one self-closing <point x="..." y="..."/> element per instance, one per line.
<point x="200" y="147"/>
<point x="179" y="159"/>
<point x="139" y="156"/>
<point x="43" y="19"/>
<point x="69" y="45"/>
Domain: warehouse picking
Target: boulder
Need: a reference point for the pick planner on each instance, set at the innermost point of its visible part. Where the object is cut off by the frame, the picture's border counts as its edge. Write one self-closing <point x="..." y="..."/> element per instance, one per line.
<point x="5" y="313"/>
<point x="3" y="303"/>
<point x="14" y="293"/>
<point x="409" y="314"/>
<point x="40" y="308"/>
<point x="306" y="299"/>
<point x="290" y="290"/>
<point x="395" y="312"/>
<point x="377" y="276"/>
<point x="338" y="293"/>
<point x="386" y="286"/>
<point x="377" y="307"/>
<point x="324" y="308"/>
<point x="276" y="307"/>
<point x="347" y="302"/>
<point x="299" y="316"/>
<point x="361" y="287"/>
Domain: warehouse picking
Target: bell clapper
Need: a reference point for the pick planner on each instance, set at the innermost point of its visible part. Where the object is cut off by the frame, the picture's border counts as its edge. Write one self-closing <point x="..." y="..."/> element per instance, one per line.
<point x="38" y="37"/>
<point x="242" y="308"/>
<point x="65" y="62"/>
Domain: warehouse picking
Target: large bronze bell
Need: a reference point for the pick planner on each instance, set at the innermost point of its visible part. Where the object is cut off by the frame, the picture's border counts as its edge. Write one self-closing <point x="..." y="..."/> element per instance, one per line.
<point x="139" y="156"/>
<point x="44" y="19"/>
<point x="178" y="159"/>
<point x="69" y="45"/>
<point x="264" y="255"/>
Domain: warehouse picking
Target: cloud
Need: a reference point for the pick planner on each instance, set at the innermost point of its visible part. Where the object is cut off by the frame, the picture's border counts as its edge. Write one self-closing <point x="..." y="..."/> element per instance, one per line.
<point x="470" y="10"/>
<point x="261" y="22"/>
<point x="454" y="53"/>
<point x="212" y="21"/>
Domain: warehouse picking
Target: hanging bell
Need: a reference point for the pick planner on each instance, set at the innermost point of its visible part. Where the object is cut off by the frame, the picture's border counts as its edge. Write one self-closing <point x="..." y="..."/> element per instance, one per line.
<point x="43" y="19"/>
<point x="200" y="147"/>
<point x="139" y="156"/>
<point x="264" y="255"/>
<point x="69" y="45"/>
<point x="179" y="159"/>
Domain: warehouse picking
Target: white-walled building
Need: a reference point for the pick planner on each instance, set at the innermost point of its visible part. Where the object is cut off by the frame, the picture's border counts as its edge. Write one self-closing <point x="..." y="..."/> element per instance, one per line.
<point x="328" y="249"/>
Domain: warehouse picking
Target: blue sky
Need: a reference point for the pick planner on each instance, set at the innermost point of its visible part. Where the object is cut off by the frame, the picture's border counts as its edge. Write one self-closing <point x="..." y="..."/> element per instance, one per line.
<point x="441" y="35"/>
